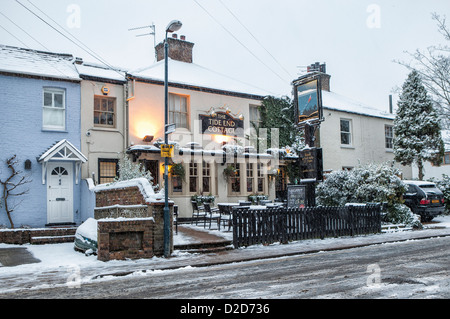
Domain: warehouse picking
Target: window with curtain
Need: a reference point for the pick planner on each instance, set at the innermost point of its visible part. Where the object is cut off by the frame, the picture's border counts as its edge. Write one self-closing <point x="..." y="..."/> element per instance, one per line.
<point x="179" y="110"/>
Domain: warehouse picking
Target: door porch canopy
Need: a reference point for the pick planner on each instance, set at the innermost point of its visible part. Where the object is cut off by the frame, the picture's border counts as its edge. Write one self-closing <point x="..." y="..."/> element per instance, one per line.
<point x="63" y="151"/>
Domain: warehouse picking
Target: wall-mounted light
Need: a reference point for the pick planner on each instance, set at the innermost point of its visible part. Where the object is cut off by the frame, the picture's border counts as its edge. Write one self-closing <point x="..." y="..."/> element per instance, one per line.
<point x="148" y="138"/>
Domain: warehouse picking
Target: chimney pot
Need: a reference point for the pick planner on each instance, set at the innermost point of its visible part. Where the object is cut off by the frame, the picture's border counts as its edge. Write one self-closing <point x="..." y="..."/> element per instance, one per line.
<point x="183" y="37"/>
<point x="174" y="35"/>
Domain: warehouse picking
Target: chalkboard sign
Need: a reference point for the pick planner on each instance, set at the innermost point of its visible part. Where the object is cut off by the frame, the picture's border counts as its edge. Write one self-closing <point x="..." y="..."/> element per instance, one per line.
<point x="296" y="196"/>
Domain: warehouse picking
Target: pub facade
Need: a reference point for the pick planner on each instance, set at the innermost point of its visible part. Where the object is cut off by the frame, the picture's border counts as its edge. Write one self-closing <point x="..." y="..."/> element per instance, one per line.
<point x="215" y="149"/>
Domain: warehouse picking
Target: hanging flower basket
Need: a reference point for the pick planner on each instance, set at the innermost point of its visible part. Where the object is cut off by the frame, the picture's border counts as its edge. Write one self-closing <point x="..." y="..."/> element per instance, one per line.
<point x="228" y="172"/>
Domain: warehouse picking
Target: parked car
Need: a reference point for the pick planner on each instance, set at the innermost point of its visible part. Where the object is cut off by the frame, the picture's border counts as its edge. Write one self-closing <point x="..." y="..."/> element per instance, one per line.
<point x="424" y="199"/>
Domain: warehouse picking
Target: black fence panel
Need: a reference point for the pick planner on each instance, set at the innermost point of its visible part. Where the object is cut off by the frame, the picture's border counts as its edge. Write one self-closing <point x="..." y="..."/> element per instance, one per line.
<point x="270" y="225"/>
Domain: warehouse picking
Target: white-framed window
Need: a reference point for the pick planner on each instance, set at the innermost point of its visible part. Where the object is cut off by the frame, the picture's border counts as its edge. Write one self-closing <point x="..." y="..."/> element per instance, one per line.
<point x="179" y="110"/>
<point x="346" y="132"/>
<point x="389" y="136"/>
<point x="54" y="109"/>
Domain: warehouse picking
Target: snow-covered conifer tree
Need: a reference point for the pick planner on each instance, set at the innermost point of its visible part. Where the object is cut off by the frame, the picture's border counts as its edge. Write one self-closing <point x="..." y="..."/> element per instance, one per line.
<point x="129" y="170"/>
<point x="416" y="126"/>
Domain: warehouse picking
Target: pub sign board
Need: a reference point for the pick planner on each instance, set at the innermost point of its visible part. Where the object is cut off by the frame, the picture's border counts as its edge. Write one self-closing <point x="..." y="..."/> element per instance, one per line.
<point x="308" y="100"/>
<point x="221" y="123"/>
<point x="296" y="196"/>
<point x="311" y="164"/>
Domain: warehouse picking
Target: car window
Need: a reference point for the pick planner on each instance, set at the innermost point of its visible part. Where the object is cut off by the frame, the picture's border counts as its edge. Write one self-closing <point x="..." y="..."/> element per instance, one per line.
<point x="427" y="186"/>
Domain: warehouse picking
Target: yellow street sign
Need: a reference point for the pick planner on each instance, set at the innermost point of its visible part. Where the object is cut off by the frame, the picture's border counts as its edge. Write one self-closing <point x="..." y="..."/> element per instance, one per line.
<point x="167" y="150"/>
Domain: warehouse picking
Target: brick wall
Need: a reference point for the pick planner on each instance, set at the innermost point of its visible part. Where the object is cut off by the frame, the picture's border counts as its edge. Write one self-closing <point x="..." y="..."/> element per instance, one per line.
<point x="122" y="196"/>
<point x="132" y="196"/>
<point x="125" y="238"/>
<point x="24" y="236"/>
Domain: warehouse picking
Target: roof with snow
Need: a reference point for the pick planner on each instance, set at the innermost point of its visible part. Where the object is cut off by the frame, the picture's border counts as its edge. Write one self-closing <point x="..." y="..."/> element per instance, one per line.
<point x="199" y="78"/>
<point x="99" y="72"/>
<point x="35" y="63"/>
<point x="334" y="101"/>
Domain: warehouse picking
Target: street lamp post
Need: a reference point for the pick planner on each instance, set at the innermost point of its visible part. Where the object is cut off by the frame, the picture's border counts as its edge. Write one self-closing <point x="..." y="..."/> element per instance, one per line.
<point x="173" y="26"/>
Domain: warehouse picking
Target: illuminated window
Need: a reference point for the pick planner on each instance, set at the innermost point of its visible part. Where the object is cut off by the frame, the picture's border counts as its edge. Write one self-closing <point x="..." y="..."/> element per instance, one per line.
<point x="235" y="180"/>
<point x="107" y="170"/>
<point x="250" y="178"/>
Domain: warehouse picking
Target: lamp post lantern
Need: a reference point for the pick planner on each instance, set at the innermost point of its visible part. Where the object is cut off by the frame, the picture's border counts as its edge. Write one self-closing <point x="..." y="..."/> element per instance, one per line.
<point x="173" y="26"/>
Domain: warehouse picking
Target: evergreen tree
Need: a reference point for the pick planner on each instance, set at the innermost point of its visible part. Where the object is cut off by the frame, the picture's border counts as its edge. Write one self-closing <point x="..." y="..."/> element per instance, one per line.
<point x="416" y="126"/>
<point x="129" y="170"/>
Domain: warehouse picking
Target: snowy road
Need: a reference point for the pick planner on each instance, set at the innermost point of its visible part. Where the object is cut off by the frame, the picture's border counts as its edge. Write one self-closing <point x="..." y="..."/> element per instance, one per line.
<point x="412" y="269"/>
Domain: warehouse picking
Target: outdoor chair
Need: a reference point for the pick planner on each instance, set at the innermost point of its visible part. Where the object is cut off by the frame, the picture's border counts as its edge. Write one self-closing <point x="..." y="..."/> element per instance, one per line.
<point x="211" y="214"/>
<point x="226" y="216"/>
<point x="198" y="212"/>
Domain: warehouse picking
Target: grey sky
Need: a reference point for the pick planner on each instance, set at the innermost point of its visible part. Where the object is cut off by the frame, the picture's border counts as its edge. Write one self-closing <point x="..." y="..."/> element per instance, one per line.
<point x="357" y="39"/>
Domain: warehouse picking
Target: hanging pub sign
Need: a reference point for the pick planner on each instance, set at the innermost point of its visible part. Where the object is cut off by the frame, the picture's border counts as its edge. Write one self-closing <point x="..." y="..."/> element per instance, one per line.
<point x="221" y="123"/>
<point x="311" y="164"/>
<point x="308" y="99"/>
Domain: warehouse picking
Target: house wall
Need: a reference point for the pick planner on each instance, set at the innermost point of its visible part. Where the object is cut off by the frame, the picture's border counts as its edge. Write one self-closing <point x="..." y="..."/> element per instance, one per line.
<point x="368" y="142"/>
<point x="22" y="135"/>
<point x="100" y="142"/>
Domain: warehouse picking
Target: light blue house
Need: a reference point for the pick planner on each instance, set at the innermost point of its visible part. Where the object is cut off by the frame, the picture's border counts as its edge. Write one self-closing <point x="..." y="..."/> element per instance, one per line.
<point x="40" y="124"/>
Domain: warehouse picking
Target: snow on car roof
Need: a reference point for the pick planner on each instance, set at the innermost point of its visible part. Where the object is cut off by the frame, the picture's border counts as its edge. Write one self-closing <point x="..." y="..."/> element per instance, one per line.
<point x="419" y="183"/>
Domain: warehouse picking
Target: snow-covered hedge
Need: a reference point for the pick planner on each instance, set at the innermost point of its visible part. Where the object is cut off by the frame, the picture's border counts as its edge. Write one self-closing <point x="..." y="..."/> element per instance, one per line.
<point x="366" y="184"/>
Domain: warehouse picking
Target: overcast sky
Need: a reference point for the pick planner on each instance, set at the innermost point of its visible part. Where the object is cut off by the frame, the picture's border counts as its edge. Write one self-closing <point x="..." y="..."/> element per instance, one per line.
<point x="264" y="42"/>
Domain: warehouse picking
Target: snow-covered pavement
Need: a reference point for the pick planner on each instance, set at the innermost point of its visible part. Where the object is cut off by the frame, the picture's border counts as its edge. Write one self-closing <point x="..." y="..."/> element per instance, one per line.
<point x="61" y="265"/>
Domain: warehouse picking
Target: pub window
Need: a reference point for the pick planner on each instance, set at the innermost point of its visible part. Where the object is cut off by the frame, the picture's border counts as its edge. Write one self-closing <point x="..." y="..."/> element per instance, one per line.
<point x="104" y="111"/>
<point x="346" y="135"/>
<point x="54" y="109"/>
<point x="260" y="178"/>
<point x="250" y="178"/>
<point x="193" y="177"/>
<point x="107" y="170"/>
<point x="235" y="180"/>
<point x="389" y="136"/>
<point x="206" y="179"/>
<point x="178" y="110"/>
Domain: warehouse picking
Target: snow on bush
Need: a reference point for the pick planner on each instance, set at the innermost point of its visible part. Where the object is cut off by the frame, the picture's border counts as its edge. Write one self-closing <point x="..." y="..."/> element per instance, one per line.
<point x="367" y="184"/>
<point x="444" y="186"/>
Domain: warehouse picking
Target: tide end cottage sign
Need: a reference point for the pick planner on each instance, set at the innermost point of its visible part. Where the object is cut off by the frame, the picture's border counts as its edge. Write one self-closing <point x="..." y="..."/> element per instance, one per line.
<point x="221" y="123"/>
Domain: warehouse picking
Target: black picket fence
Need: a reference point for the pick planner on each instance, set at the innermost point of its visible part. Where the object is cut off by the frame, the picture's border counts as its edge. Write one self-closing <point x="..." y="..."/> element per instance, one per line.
<point x="270" y="225"/>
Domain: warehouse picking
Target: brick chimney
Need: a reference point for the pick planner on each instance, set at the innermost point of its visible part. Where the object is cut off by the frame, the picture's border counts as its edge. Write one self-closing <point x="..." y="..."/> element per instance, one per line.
<point x="179" y="49"/>
<point x="324" y="77"/>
